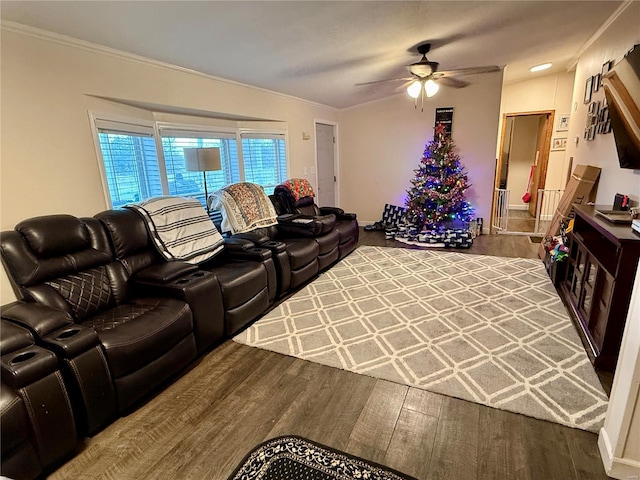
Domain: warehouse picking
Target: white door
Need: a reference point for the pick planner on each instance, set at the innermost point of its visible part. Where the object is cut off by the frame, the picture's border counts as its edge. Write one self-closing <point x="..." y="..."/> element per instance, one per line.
<point x="325" y="155"/>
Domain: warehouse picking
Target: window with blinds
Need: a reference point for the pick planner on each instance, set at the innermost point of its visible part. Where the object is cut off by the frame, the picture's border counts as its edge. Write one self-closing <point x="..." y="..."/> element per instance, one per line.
<point x="137" y="165"/>
<point x="191" y="184"/>
<point x="265" y="159"/>
<point x="130" y="162"/>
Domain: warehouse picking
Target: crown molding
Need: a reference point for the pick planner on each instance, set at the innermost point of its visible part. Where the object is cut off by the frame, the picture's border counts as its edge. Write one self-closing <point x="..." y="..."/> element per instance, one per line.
<point x="571" y="65"/>
<point x="46" y="35"/>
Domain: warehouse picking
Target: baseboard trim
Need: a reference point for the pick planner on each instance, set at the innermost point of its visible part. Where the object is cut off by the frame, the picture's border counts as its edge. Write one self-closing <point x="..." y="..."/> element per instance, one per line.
<point x="518" y="207"/>
<point x="620" y="468"/>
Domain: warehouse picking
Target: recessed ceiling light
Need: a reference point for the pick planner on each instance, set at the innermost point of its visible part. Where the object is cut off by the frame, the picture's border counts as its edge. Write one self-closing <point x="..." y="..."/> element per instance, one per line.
<point x="538" y="68"/>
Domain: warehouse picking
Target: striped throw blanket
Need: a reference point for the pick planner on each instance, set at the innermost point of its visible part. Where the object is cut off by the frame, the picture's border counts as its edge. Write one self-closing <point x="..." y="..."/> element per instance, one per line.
<point x="244" y="207"/>
<point x="180" y="228"/>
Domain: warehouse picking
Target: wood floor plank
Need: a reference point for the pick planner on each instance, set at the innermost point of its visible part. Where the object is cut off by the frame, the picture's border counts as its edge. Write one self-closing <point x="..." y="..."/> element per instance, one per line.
<point x="502" y="451"/>
<point x="423" y="401"/>
<point x="235" y="434"/>
<point x="549" y="458"/>
<point x="587" y="462"/>
<point x="372" y="432"/>
<point x="455" y="447"/>
<point x="411" y="446"/>
<point x="329" y="409"/>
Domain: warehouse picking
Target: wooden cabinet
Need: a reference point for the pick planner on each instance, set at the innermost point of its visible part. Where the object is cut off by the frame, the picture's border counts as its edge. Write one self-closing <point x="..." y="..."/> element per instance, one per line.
<point x="599" y="279"/>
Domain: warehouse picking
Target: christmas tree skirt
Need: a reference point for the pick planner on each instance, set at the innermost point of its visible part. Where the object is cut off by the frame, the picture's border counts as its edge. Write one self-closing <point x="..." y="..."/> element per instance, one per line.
<point x="450" y="238"/>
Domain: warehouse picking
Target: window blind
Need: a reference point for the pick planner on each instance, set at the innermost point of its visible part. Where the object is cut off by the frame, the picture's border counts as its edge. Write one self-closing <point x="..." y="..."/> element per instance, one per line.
<point x="264" y="158"/>
<point x="185" y="183"/>
<point x="130" y="163"/>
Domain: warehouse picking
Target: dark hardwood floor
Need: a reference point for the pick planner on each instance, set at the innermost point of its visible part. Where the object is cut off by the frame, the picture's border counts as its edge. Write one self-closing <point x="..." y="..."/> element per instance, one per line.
<point x="234" y="397"/>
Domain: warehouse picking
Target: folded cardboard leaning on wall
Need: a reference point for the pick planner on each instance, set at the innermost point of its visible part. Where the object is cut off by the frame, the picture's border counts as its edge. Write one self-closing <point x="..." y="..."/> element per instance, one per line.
<point x="581" y="188"/>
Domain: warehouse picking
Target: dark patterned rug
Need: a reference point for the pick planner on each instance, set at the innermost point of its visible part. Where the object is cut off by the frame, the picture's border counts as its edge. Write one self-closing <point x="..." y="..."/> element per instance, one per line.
<point x="295" y="458"/>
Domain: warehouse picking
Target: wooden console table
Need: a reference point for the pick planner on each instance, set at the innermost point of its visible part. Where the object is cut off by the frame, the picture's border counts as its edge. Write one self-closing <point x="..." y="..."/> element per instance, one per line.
<point x="599" y="281"/>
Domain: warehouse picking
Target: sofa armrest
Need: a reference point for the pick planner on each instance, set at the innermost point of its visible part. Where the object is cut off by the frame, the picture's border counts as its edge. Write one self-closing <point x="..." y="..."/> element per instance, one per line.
<point x="28" y="365"/>
<point x="258" y="239"/>
<point x="165" y="272"/>
<point x="243" y="249"/>
<point x="338" y="212"/>
<point x="306" y="225"/>
<point x="39" y="319"/>
<point x="71" y="341"/>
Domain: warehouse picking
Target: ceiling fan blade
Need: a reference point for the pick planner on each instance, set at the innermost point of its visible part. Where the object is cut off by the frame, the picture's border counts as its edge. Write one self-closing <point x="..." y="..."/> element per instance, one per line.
<point x="452" y="82"/>
<point x="384" y="81"/>
<point x="467" y="71"/>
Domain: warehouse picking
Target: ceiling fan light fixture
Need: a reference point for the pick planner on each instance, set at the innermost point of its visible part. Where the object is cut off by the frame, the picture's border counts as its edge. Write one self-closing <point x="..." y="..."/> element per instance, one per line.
<point x="539" y="68"/>
<point x="431" y="88"/>
<point x="414" y="89"/>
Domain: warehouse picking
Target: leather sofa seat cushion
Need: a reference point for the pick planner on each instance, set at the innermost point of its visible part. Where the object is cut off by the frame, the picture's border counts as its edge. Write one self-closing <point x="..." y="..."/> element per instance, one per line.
<point x="239" y="280"/>
<point x="347" y="229"/>
<point x="138" y="332"/>
<point x="301" y="251"/>
<point x="328" y="242"/>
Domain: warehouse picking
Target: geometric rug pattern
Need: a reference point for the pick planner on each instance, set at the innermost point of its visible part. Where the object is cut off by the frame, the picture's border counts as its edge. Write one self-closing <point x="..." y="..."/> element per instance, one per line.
<point x="487" y="329"/>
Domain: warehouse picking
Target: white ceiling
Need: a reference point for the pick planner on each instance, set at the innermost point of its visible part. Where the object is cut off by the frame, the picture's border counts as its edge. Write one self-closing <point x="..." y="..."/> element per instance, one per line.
<point x="318" y="50"/>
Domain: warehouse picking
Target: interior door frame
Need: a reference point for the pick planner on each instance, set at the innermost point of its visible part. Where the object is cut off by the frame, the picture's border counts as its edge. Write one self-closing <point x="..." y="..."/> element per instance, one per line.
<point x="543" y="158"/>
<point x="336" y="159"/>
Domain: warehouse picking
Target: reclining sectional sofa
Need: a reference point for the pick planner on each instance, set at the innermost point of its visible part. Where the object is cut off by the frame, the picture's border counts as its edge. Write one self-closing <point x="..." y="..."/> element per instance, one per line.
<point x="103" y="319"/>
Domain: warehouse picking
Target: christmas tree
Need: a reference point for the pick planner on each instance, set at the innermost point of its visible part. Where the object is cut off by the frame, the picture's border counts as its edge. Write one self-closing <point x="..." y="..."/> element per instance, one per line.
<point x="436" y="199"/>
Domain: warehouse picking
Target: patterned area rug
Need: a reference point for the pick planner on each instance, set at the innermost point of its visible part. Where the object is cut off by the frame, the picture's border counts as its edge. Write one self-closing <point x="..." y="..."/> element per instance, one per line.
<point x="486" y="329"/>
<point x="294" y="458"/>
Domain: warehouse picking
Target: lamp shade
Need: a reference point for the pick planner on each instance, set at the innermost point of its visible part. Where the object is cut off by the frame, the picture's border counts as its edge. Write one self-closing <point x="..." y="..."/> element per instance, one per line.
<point x="431" y="88"/>
<point x="202" y="159"/>
<point x="414" y="89"/>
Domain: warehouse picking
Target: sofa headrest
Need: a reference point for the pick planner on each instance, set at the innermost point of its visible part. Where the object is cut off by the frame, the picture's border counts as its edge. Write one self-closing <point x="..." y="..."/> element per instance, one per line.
<point x="303" y="202"/>
<point x="44" y="248"/>
<point x="127" y="231"/>
<point x="54" y="235"/>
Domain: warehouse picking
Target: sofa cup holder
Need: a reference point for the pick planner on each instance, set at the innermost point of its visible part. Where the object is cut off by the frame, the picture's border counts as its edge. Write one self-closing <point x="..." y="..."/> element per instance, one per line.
<point x="23" y="357"/>
<point x="68" y="334"/>
<point x="190" y="278"/>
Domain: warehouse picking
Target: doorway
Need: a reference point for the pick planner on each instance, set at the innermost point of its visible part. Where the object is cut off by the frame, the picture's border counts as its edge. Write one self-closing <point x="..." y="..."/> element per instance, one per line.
<point x="521" y="169"/>
<point x="326" y="164"/>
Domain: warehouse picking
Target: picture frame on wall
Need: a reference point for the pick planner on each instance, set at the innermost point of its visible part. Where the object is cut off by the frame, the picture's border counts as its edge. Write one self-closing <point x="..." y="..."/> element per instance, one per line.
<point x="596" y="82"/>
<point x="606" y="66"/>
<point x="559" y="143"/>
<point x="588" y="89"/>
<point x="563" y="123"/>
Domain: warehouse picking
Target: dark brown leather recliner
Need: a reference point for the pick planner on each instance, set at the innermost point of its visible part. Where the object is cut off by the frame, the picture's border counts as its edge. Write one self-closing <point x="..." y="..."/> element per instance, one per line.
<point x="66" y="265"/>
<point x="322" y="228"/>
<point x="225" y="293"/>
<point x="36" y="417"/>
<point x="296" y="255"/>
<point x="346" y="224"/>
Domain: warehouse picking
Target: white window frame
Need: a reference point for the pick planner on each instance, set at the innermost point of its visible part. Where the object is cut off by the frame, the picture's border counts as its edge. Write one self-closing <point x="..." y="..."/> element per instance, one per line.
<point x="266" y="133"/>
<point x="127" y="124"/>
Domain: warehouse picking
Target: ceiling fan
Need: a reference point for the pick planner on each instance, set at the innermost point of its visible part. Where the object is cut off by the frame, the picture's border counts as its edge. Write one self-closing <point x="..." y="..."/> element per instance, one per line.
<point x="425" y="75"/>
